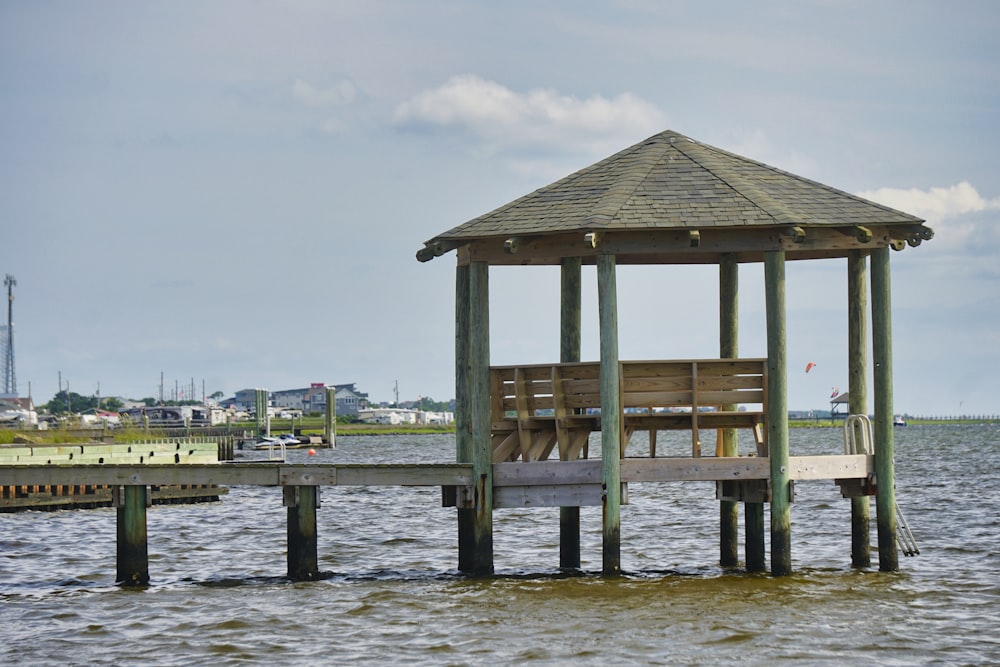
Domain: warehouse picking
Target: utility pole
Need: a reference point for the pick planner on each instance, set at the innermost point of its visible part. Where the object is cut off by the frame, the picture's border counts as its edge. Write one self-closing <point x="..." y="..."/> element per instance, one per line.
<point x="9" y="377"/>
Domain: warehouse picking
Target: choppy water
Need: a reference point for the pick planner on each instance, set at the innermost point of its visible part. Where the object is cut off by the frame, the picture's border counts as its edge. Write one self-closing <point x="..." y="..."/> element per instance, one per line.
<point x="219" y="596"/>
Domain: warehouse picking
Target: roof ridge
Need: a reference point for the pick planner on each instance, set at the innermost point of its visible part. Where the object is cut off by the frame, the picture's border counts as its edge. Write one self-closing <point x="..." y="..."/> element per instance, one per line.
<point x="795" y="177"/>
<point x="616" y="196"/>
<point x="740" y="186"/>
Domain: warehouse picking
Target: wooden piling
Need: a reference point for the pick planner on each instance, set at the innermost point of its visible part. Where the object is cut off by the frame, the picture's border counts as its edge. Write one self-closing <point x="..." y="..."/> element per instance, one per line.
<point x="857" y="374"/>
<point x="885" y="475"/>
<point x="569" y="351"/>
<point x="133" y="551"/>
<point x="482" y="427"/>
<point x="611" y="432"/>
<point x="777" y="413"/>
<point x="756" y="558"/>
<point x="728" y="349"/>
<point x="330" y="424"/>
<point x="463" y="416"/>
<point x="302" y="501"/>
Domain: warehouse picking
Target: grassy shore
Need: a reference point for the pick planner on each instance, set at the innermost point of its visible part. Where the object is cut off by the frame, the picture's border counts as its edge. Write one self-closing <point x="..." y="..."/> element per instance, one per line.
<point x="314" y="426"/>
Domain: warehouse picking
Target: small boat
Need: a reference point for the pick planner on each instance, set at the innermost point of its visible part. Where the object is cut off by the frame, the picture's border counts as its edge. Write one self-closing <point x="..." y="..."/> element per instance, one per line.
<point x="898" y="421"/>
<point x="283" y="439"/>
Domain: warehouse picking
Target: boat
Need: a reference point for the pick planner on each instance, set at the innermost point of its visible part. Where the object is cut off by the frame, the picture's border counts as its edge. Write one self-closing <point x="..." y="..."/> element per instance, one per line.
<point x="286" y="439"/>
<point x="898" y="421"/>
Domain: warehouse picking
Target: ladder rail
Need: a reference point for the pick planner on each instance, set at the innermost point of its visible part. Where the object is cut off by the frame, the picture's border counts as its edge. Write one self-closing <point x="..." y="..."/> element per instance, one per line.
<point x="862" y="424"/>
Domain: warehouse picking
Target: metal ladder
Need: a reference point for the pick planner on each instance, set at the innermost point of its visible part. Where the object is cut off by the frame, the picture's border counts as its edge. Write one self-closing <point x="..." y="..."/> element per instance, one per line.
<point x="861" y="423"/>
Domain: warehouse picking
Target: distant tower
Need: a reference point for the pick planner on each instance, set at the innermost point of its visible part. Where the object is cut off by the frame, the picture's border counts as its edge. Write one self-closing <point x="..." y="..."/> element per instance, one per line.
<point x="9" y="377"/>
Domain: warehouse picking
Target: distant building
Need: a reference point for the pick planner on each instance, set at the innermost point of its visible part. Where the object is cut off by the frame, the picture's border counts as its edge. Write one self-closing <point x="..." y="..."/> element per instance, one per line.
<point x="18" y="411"/>
<point x="397" y="416"/>
<point x="310" y="399"/>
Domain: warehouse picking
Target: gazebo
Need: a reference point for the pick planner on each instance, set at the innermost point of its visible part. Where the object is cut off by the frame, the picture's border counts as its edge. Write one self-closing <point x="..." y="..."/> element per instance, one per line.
<point x="668" y="200"/>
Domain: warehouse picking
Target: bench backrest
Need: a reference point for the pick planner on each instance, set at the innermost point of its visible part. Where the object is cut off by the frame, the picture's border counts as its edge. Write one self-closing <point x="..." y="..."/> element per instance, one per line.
<point x="546" y="389"/>
<point x="693" y="384"/>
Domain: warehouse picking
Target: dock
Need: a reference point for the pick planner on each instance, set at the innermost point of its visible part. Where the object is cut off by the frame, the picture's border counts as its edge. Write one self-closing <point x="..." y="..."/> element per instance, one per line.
<point x="516" y="484"/>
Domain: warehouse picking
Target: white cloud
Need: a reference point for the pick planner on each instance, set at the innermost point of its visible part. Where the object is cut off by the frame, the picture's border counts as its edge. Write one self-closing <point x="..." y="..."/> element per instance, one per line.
<point x="339" y="94"/>
<point x="541" y="117"/>
<point x="934" y="204"/>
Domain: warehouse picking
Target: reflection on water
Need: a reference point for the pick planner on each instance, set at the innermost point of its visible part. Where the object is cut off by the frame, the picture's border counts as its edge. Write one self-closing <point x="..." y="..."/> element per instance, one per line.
<point x="392" y="591"/>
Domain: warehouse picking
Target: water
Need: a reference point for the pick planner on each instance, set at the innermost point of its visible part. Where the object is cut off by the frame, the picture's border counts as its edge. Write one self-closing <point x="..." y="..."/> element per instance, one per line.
<point x="219" y="595"/>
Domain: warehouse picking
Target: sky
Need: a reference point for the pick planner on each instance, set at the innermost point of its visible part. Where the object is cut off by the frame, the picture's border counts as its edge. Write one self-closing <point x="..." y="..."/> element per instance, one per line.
<point x="231" y="194"/>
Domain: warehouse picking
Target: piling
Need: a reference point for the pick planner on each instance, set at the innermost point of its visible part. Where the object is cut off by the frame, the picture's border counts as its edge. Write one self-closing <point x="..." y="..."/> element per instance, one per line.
<point x="569" y="351"/>
<point x="479" y="392"/>
<point x="303" y="562"/>
<point x="885" y="476"/>
<point x="133" y="552"/>
<point x="330" y="425"/>
<point x="777" y="413"/>
<point x="611" y="431"/>
<point x="857" y="369"/>
<point x="728" y="349"/>
<point x="463" y="415"/>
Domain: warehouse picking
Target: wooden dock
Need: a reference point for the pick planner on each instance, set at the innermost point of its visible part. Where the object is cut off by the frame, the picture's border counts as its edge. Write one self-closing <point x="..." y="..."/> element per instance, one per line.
<point x="79" y="494"/>
<point x="515" y="484"/>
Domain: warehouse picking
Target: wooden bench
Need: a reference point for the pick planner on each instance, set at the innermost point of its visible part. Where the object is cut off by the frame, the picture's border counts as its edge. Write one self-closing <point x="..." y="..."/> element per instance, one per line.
<point x="537" y="408"/>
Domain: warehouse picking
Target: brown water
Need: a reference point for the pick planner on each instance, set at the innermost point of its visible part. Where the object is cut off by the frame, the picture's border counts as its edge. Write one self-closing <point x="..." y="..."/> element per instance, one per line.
<point x="393" y="595"/>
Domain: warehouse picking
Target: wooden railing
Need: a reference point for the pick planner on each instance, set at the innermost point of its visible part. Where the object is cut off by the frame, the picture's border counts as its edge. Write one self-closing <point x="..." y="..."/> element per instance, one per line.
<point x="537" y="408"/>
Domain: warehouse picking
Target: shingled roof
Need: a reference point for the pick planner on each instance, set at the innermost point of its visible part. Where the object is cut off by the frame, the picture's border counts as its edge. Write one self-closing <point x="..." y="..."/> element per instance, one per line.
<point x="670" y="199"/>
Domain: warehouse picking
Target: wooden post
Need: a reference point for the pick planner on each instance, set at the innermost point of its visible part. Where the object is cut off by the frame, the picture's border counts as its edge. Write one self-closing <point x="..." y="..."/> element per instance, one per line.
<point x="611" y="433"/>
<point x="302" y="502"/>
<point x="479" y="410"/>
<point x="728" y="348"/>
<point x="330" y="427"/>
<point x="569" y="351"/>
<point x="885" y="476"/>
<point x="463" y="417"/>
<point x="857" y="370"/>
<point x="777" y="413"/>
<point x="754" y="545"/>
<point x="133" y="551"/>
<point x="260" y="403"/>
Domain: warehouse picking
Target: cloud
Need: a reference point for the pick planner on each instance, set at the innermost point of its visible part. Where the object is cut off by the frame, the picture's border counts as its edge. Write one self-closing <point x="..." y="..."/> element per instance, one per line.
<point x="339" y="94"/>
<point x="936" y="203"/>
<point x="948" y="209"/>
<point x="503" y="118"/>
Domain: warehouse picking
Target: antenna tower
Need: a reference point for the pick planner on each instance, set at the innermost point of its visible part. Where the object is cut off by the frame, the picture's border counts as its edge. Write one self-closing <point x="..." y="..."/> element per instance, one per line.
<point x="9" y="377"/>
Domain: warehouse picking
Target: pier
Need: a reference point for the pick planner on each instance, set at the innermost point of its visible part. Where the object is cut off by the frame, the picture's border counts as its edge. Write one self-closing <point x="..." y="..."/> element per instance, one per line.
<point x="523" y="432"/>
<point x="516" y="484"/>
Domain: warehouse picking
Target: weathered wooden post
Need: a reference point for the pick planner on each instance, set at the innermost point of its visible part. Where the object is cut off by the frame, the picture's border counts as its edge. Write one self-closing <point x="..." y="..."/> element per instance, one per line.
<point x="260" y="407"/>
<point x="885" y="474"/>
<point x="479" y="392"/>
<point x="611" y="433"/>
<point x="569" y="351"/>
<point x="463" y="416"/>
<point x="302" y="501"/>
<point x="728" y="349"/>
<point x="133" y="551"/>
<point x="777" y="414"/>
<point x="330" y="426"/>
<point x="857" y="369"/>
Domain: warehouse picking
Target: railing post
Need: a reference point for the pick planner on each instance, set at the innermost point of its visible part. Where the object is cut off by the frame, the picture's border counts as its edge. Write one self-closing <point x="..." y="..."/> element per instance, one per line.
<point x="133" y="550"/>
